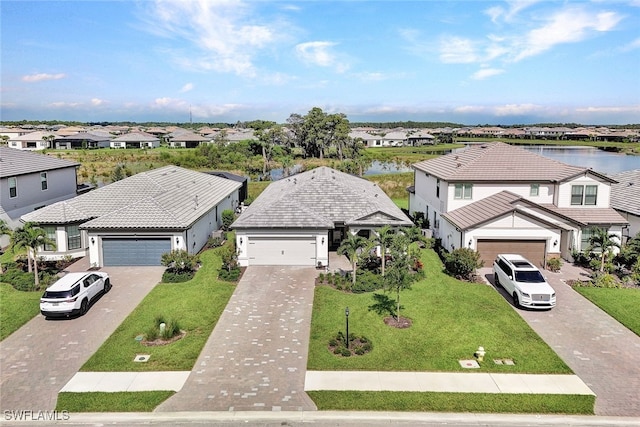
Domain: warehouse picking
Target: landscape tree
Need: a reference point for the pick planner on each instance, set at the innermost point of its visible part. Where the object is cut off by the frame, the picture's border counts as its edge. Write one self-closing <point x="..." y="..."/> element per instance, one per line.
<point x="384" y="237"/>
<point x="31" y="237"/>
<point x="603" y="242"/>
<point x="351" y="246"/>
<point x="462" y="263"/>
<point x="268" y="139"/>
<point x="398" y="277"/>
<point x="118" y="173"/>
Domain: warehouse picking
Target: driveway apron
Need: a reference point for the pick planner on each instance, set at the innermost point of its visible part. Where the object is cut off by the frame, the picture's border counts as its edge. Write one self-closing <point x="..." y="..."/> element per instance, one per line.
<point x="600" y="350"/>
<point x="38" y="359"/>
<point x="256" y="357"/>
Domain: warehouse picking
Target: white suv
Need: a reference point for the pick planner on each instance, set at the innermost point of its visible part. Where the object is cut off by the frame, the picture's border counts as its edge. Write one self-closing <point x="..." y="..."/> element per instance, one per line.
<point x="73" y="293"/>
<point x="523" y="281"/>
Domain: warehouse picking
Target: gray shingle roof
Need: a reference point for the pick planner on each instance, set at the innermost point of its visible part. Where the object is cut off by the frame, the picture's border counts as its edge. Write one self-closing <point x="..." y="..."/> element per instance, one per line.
<point x="500" y="162"/>
<point x="18" y="162"/>
<point x="625" y="195"/>
<point x="166" y="198"/>
<point x="320" y="198"/>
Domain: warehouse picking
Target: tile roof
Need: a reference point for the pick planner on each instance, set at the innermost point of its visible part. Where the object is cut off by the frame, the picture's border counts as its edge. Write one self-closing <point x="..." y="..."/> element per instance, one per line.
<point x="136" y="137"/>
<point x="34" y="136"/>
<point x="625" y="195"/>
<point x="18" y="162"/>
<point x="166" y="198"/>
<point x="497" y="205"/>
<point x="501" y="162"/>
<point x="320" y="198"/>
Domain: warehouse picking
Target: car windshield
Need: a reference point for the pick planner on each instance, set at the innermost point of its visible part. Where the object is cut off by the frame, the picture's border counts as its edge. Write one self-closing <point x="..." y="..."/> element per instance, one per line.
<point x="529" y="277"/>
<point x="57" y="294"/>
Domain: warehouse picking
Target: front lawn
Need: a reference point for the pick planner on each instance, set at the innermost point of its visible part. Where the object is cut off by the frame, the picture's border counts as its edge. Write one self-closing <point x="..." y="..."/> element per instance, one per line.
<point x="16" y="308"/>
<point x="143" y="401"/>
<point x="196" y="305"/>
<point x="450" y="320"/>
<point x="621" y="304"/>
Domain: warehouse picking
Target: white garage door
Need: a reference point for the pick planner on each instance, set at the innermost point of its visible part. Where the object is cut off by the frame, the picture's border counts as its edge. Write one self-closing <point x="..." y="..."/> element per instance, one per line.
<point x="282" y="251"/>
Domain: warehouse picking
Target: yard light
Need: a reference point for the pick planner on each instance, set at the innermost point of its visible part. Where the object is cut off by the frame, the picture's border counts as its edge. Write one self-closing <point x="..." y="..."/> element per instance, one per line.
<point x="346" y="315"/>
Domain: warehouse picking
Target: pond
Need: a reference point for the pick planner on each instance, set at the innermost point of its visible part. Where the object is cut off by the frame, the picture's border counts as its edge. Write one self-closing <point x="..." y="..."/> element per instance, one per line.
<point x="605" y="162"/>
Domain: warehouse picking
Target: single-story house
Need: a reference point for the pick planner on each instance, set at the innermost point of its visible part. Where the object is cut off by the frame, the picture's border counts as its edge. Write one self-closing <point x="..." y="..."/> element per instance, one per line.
<point x="135" y="140"/>
<point x="135" y="220"/>
<point x="297" y="220"/>
<point x="82" y="140"/>
<point x="625" y="198"/>
<point x="38" y="140"/>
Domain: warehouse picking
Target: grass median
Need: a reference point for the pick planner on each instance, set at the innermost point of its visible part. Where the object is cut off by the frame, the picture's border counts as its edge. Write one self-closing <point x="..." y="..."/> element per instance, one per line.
<point x="196" y="305"/>
<point x="16" y="308"/>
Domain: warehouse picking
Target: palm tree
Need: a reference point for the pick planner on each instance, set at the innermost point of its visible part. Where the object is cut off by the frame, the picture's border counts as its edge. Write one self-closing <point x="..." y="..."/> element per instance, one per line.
<point x="384" y="237"/>
<point x="351" y="247"/>
<point x="604" y="241"/>
<point x="32" y="237"/>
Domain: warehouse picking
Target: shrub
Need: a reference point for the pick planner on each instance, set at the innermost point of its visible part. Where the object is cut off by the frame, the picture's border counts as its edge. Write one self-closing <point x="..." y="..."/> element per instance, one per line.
<point x="605" y="281"/>
<point x="462" y="263"/>
<point x="229" y="275"/>
<point x="367" y="281"/>
<point x="228" y="216"/>
<point x="177" y="277"/>
<point x="179" y="261"/>
<point x="215" y="242"/>
<point x="345" y="352"/>
<point x="554" y="264"/>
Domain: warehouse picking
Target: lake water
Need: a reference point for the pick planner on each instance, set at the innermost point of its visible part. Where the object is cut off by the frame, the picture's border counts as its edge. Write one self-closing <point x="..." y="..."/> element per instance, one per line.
<point x="589" y="157"/>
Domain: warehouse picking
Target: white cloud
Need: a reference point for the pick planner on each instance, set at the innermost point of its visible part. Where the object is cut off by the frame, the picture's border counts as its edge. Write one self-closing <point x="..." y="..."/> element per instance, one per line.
<point x="33" y="78"/>
<point x="635" y="44"/>
<point x="486" y="73"/>
<point x="61" y="104"/>
<point x="187" y="87"/>
<point x="514" y="8"/>
<point x="618" y="109"/>
<point x="320" y="53"/>
<point x="570" y="25"/>
<point x="458" y="50"/>
<point x="97" y="102"/>
<point x="518" y="109"/>
<point x="225" y="31"/>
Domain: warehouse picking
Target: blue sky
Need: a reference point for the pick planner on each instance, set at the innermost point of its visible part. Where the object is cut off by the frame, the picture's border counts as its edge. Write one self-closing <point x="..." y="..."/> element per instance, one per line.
<point x="470" y="62"/>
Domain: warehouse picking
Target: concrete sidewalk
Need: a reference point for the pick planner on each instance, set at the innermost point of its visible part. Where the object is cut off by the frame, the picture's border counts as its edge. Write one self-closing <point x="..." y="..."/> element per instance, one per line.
<point x="445" y="382"/>
<point x="352" y="380"/>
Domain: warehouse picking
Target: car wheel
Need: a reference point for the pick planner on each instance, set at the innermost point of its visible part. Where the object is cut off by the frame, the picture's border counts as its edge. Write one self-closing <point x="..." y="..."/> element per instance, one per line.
<point x="516" y="300"/>
<point x="84" y="307"/>
<point x="496" y="280"/>
<point x="107" y="286"/>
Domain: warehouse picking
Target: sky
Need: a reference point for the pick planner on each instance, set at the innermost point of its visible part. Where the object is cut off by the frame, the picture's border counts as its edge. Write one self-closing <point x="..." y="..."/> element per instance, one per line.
<point x="468" y="62"/>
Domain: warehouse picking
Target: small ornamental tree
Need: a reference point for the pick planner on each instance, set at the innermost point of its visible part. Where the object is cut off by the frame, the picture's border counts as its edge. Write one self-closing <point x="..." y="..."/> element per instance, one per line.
<point x="181" y="265"/>
<point x="462" y="263"/>
<point x="228" y="216"/>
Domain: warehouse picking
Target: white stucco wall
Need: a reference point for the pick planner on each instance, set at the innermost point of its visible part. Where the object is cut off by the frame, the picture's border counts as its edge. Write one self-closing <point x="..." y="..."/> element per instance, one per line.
<point x="564" y="193"/>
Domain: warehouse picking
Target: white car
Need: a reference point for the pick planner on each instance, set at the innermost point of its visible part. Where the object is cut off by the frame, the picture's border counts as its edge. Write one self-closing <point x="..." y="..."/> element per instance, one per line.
<point x="73" y="293"/>
<point x="523" y="281"/>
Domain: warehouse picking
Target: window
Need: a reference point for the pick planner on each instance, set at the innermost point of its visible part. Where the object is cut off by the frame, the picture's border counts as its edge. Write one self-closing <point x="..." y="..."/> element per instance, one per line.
<point x="50" y="232"/>
<point x="463" y="191"/>
<point x="576" y="194"/>
<point x="73" y="237"/>
<point x="584" y="239"/>
<point x="43" y="181"/>
<point x="534" y="190"/>
<point x="584" y="195"/>
<point x="591" y="195"/>
<point x="13" y="187"/>
<point x="438" y="188"/>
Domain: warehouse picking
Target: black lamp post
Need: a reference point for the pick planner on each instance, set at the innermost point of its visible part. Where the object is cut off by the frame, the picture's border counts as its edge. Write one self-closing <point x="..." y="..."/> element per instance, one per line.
<point x="346" y="315"/>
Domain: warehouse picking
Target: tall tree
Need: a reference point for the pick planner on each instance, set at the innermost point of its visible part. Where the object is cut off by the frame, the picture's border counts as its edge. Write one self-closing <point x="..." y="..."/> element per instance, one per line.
<point x="32" y="237"/>
<point x="351" y="246"/>
<point x="602" y="241"/>
<point x="398" y="277"/>
<point x="384" y="237"/>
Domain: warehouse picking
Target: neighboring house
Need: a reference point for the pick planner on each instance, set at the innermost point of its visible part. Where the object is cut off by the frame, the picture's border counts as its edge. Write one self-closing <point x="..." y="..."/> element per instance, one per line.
<point x="421" y="138"/>
<point x="82" y="140"/>
<point x="394" y="139"/>
<point x="135" y="140"/>
<point x="38" y="140"/>
<point x="297" y="220"/>
<point x="367" y="139"/>
<point x="135" y="220"/>
<point x="30" y="181"/>
<point x="496" y="198"/>
<point x="625" y="198"/>
<point x="186" y="139"/>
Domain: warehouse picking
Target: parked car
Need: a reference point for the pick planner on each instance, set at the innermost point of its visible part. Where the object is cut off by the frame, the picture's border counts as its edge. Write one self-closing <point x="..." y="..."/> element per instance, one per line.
<point x="524" y="282"/>
<point x="73" y="293"/>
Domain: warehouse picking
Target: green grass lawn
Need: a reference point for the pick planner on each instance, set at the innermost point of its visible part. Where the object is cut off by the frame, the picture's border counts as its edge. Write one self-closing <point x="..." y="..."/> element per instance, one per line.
<point x="196" y="305"/>
<point x="450" y="320"/>
<point x="144" y="401"/>
<point x="453" y="402"/>
<point x="16" y="308"/>
<point x="621" y="304"/>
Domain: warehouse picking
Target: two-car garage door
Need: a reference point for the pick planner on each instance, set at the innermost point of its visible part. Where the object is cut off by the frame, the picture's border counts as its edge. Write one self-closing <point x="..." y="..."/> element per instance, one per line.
<point x="533" y="250"/>
<point x="282" y="251"/>
<point x="132" y="251"/>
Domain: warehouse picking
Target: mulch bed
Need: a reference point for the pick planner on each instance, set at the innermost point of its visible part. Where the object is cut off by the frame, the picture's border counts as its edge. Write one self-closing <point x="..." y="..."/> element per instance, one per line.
<point x="401" y="323"/>
<point x="161" y="341"/>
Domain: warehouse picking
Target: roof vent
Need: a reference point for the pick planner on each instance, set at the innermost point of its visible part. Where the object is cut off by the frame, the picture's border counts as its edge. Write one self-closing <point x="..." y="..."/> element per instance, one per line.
<point x="484" y="146"/>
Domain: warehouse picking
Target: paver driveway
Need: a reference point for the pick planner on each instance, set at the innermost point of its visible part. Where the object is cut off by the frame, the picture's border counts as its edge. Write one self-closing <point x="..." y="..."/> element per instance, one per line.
<point x="256" y="357"/>
<point x="37" y="360"/>
<point x="602" y="352"/>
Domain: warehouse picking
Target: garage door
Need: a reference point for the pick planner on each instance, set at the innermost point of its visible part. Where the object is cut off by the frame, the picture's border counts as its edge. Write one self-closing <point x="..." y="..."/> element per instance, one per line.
<point x="282" y="251"/>
<point x="533" y="250"/>
<point x="134" y="251"/>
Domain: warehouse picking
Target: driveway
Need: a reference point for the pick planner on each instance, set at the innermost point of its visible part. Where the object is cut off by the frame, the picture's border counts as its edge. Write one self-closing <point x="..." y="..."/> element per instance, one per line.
<point x="256" y="356"/>
<point x="602" y="352"/>
<point x="37" y="360"/>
